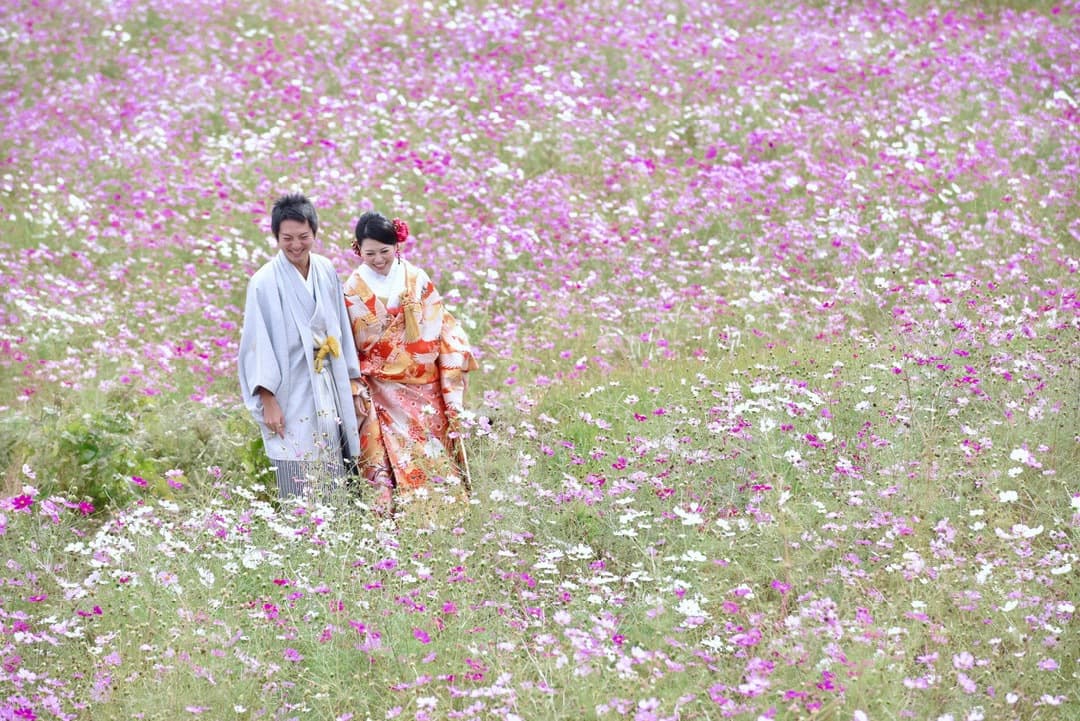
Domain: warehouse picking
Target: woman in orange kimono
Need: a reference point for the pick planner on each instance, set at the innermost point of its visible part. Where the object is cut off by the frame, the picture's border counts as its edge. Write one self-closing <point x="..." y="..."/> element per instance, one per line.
<point x="413" y="361"/>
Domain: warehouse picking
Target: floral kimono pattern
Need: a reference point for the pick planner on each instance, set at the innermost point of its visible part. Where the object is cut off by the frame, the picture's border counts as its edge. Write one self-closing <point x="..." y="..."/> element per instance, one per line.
<point x="413" y="361"/>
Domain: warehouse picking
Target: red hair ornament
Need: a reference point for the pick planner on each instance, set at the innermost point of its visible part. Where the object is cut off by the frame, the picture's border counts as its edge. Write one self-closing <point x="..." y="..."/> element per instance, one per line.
<point x="401" y="229"/>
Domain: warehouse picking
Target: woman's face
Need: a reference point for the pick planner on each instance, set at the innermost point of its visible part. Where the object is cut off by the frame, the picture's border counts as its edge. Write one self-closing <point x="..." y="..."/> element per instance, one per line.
<point x="377" y="256"/>
<point x="295" y="240"/>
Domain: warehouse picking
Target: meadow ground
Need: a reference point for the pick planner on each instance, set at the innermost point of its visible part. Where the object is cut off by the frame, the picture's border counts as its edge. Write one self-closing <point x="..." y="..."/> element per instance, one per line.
<point x="777" y="414"/>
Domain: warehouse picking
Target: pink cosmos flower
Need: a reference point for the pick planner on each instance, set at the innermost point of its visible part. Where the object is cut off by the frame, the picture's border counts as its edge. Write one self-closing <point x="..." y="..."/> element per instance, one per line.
<point x="963" y="661"/>
<point x="781" y="587"/>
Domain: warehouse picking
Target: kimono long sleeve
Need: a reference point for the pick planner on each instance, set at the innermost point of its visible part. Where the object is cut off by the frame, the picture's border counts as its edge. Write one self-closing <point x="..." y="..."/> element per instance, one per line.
<point x="443" y="338"/>
<point x="258" y="362"/>
<point x="455" y="360"/>
<point x="455" y="357"/>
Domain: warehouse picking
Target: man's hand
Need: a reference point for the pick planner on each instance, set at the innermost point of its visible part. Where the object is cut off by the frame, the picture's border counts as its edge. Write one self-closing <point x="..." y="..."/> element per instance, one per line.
<point x="272" y="415"/>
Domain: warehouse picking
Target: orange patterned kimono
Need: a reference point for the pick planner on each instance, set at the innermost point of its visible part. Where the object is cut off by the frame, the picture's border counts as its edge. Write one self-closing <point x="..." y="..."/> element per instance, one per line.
<point x="413" y="361"/>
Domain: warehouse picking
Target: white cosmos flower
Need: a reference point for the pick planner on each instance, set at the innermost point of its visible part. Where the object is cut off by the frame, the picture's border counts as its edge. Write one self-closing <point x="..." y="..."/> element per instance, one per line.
<point x="716" y="643"/>
<point x="1018" y="530"/>
<point x="691" y="608"/>
<point x="1020" y="455"/>
<point x="433" y="449"/>
<point x="206" y="577"/>
<point x="689" y="517"/>
<point x="580" y="552"/>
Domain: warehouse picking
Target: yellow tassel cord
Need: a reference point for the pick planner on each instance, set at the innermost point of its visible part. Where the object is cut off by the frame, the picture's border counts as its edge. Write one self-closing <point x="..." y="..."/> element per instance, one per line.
<point x="330" y="346"/>
<point x="412" y="308"/>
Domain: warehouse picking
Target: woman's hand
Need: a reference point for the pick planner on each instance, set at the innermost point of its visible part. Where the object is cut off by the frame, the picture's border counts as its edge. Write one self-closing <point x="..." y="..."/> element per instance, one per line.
<point x="272" y="415"/>
<point x="359" y="398"/>
<point x="453" y="418"/>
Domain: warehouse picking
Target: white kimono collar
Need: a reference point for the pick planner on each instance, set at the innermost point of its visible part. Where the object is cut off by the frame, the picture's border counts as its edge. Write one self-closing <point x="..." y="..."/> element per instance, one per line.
<point x="389" y="287"/>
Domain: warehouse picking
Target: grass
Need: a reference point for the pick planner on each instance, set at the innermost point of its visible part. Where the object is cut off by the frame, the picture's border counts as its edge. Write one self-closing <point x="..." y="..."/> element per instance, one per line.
<point x="512" y="569"/>
<point x="844" y="579"/>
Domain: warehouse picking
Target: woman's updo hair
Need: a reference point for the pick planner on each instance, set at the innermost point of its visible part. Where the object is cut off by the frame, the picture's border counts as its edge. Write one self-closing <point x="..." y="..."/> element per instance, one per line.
<point x="378" y="227"/>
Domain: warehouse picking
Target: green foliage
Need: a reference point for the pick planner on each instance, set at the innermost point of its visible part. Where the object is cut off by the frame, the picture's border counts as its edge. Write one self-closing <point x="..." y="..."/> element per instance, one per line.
<point x="91" y="446"/>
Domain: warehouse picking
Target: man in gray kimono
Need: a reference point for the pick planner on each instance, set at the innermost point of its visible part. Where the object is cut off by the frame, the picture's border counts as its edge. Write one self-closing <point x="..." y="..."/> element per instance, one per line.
<point x="298" y="364"/>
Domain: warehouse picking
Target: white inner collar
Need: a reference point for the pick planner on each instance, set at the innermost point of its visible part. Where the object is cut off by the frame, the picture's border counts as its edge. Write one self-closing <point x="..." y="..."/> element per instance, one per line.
<point x="387" y="288"/>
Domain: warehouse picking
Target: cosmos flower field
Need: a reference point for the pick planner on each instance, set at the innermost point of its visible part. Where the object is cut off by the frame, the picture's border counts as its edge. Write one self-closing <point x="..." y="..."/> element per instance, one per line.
<point x="776" y="310"/>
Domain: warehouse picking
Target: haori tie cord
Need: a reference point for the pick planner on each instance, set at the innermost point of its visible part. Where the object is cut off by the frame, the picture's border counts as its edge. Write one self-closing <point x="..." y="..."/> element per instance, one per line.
<point x="329" y="346"/>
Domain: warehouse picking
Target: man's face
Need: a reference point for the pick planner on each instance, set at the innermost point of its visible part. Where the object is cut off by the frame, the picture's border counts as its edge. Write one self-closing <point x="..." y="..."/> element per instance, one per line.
<point x="295" y="240"/>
